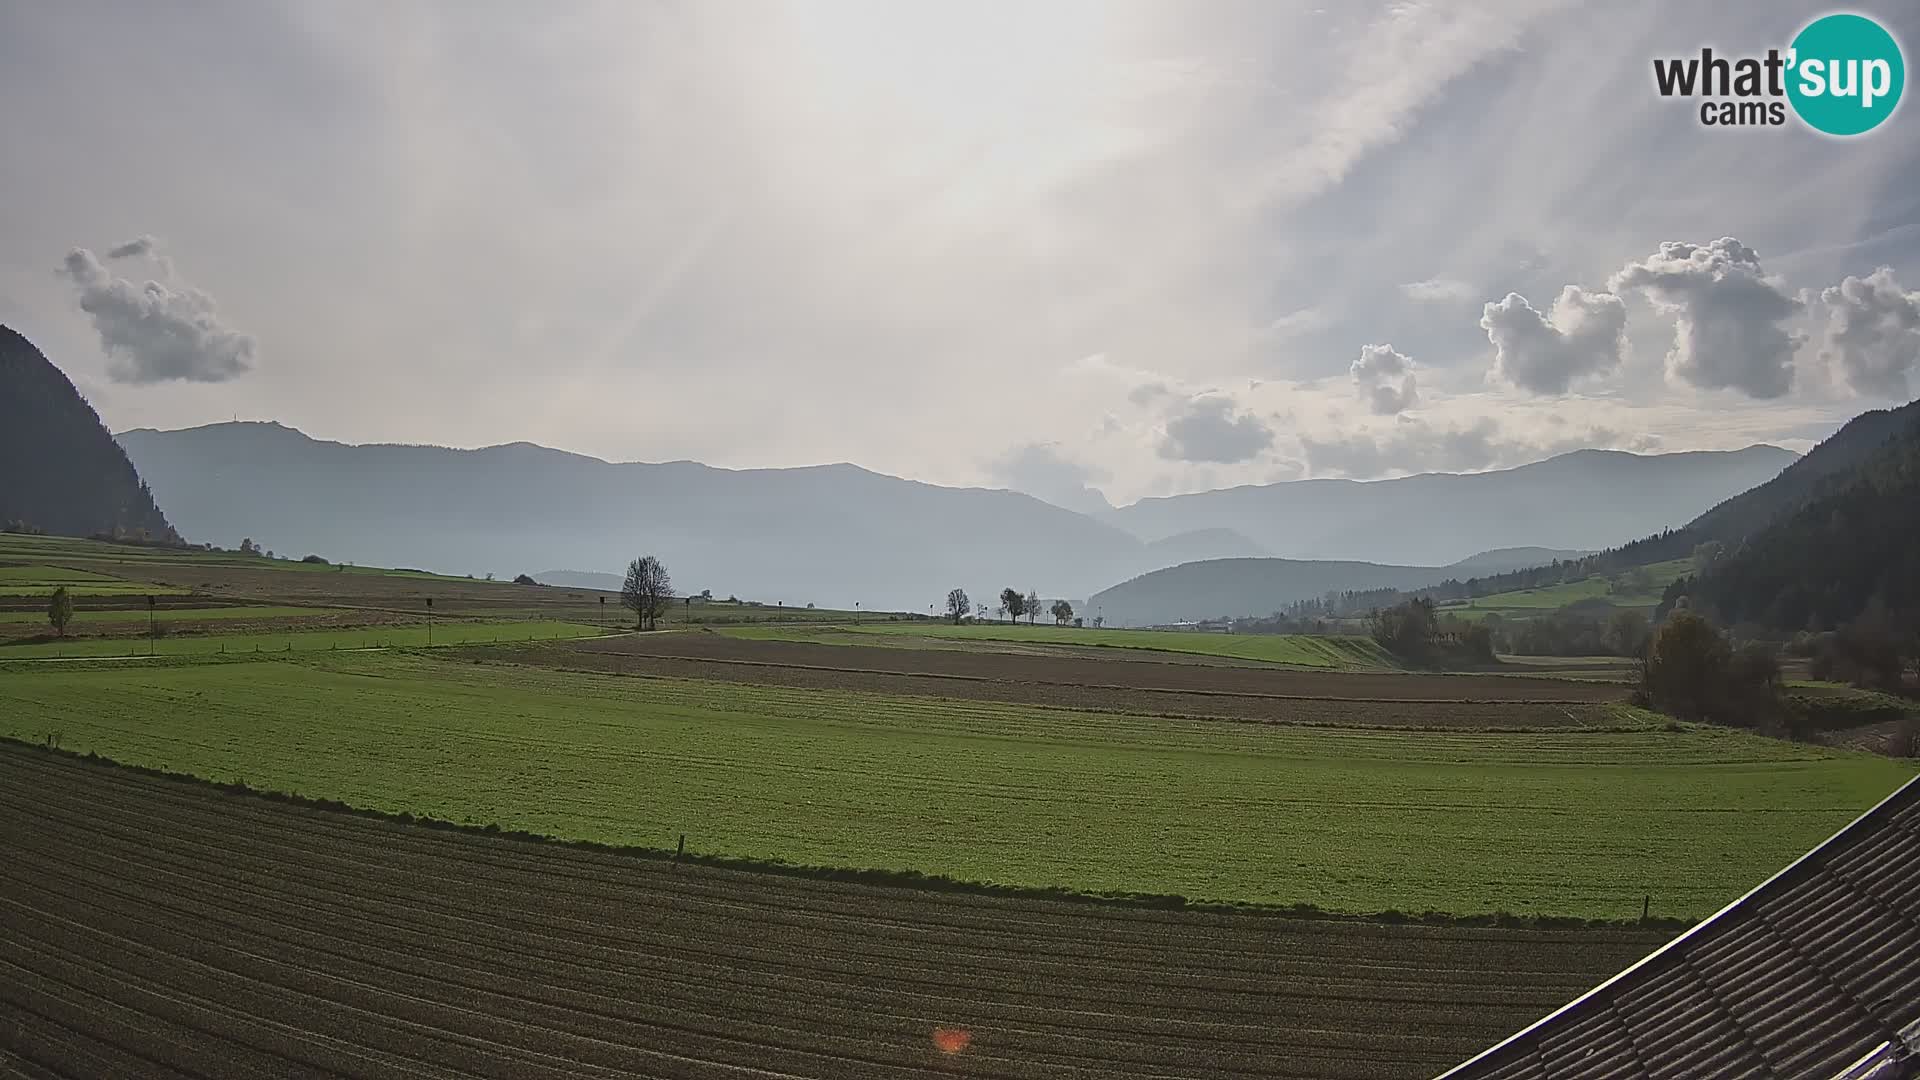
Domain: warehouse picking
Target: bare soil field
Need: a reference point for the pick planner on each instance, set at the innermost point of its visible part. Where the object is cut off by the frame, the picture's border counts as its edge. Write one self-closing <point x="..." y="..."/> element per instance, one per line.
<point x="1343" y="712"/>
<point x="710" y="655"/>
<point x="152" y="926"/>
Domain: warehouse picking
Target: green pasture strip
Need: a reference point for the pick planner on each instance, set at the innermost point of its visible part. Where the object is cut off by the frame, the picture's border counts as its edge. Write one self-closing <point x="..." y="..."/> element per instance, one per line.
<point x="173" y="615"/>
<point x="365" y="637"/>
<point x="1556" y="823"/>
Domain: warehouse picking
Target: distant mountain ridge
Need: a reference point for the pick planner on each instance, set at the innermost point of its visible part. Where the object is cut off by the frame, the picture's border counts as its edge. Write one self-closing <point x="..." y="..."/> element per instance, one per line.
<point x="830" y="534"/>
<point x="60" y="470"/>
<point x="1248" y="588"/>
<point x="1584" y="500"/>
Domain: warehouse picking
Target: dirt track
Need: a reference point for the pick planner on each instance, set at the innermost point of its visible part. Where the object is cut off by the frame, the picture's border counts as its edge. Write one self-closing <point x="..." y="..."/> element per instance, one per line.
<point x="160" y="928"/>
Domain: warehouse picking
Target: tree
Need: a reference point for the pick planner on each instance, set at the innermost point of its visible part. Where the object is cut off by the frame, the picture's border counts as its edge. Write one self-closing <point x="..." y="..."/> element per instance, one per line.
<point x="646" y="590"/>
<point x="1687" y="660"/>
<point x="1062" y="612"/>
<point x="524" y="579"/>
<point x="1031" y="605"/>
<point x="1628" y="633"/>
<point x="247" y="547"/>
<point x="1405" y="630"/>
<point x="1012" y="603"/>
<point x="60" y="610"/>
<point x="958" y="606"/>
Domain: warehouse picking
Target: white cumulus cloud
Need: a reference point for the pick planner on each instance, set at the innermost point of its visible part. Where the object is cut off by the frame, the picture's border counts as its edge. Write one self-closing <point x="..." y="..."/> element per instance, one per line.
<point x="1386" y="380"/>
<point x="1729" y="316"/>
<point x="1871" y="333"/>
<point x="1544" y="352"/>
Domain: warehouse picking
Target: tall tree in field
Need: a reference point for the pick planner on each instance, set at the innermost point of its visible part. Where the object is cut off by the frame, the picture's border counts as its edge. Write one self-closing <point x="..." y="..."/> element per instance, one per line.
<point x="60" y="610"/>
<point x="958" y="605"/>
<point x="1062" y="612"/>
<point x="646" y="590"/>
<point x="1013" y="603"/>
<point x="1032" y="605"/>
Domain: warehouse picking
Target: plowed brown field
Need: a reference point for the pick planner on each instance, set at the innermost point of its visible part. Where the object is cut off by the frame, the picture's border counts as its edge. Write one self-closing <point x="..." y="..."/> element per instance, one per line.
<point x="160" y="927"/>
<point x="1374" y="699"/>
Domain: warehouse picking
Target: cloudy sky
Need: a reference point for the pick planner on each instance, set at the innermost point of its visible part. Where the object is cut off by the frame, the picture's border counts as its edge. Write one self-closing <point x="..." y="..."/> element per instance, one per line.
<point x="1081" y="244"/>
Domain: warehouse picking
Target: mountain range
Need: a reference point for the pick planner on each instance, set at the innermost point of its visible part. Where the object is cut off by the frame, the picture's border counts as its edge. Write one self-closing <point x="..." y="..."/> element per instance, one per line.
<point x="1586" y="499"/>
<point x="836" y="534"/>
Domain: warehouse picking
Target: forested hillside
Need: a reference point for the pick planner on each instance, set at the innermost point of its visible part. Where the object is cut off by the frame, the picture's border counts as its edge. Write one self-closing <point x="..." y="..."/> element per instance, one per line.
<point x="63" y="473"/>
<point x="1849" y="548"/>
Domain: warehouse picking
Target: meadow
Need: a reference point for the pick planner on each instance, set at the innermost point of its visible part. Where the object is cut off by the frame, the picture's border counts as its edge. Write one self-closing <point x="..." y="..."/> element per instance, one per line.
<point x="1576" y="823"/>
<point x="419" y="634"/>
<point x="1529" y="602"/>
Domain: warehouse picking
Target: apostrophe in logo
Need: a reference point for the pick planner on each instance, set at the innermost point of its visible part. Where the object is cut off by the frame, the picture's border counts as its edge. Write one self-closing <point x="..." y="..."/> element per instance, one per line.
<point x="1847" y="74"/>
<point x="1842" y="74"/>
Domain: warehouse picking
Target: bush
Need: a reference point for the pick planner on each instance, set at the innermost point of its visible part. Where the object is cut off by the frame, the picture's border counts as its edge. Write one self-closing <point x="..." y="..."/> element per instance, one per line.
<point x="1693" y="673"/>
<point x="316" y="560"/>
<point x="524" y="579"/>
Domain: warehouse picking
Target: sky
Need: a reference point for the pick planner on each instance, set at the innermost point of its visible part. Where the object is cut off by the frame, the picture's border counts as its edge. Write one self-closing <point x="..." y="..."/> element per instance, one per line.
<point x="1088" y="249"/>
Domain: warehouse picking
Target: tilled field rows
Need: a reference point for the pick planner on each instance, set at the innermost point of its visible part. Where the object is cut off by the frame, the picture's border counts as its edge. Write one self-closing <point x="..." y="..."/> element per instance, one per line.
<point x="155" y="927"/>
<point x="1125" y="670"/>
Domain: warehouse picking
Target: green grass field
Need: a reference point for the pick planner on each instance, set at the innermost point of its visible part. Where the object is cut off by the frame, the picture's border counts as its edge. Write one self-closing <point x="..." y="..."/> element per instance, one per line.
<point x="1529" y="602"/>
<point x="1293" y="650"/>
<point x="443" y="633"/>
<point x="1563" y="823"/>
<point x="37" y="619"/>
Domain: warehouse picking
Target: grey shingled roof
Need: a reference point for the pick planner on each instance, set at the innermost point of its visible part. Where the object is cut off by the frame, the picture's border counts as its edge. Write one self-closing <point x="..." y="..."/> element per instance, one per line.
<point x="1814" y="974"/>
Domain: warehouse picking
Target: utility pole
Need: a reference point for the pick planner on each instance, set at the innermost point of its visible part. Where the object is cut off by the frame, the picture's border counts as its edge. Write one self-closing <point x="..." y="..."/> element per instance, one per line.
<point x="152" y="636"/>
<point x="429" y="621"/>
<point x="603" y="609"/>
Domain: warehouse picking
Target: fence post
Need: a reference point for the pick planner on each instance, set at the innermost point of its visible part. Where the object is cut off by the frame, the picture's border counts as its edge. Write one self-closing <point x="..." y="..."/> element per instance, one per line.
<point x="682" y="850"/>
<point x="1646" y="906"/>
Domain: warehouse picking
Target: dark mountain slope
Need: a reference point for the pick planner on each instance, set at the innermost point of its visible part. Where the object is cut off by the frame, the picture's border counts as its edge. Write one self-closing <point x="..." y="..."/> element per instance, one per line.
<point x="1852" y="447"/>
<point x="1848" y="542"/>
<point x="60" y="470"/>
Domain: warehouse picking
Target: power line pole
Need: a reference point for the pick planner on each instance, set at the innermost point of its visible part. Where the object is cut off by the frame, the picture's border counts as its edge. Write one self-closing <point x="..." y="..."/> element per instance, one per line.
<point x="429" y="622"/>
<point x="152" y="636"/>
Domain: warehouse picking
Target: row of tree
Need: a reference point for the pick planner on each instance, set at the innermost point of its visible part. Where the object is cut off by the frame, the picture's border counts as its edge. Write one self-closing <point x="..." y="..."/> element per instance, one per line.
<point x="1013" y="604"/>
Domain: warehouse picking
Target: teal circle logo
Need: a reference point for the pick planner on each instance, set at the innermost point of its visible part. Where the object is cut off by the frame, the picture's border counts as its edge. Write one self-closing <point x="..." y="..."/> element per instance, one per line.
<point x="1845" y="74"/>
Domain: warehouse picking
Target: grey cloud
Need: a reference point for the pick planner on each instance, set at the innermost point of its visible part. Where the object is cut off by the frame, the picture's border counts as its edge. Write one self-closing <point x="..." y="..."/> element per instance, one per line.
<point x="1385" y="378"/>
<point x="1580" y="335"/>
<point x="144" y="244"/>
<point x="1210" y="427"/>
<point x="1415" y="446"/>
<point x="1872" y="333"/>
<point x="1042" y="471"/>
<point x="1438" y="290"/>
<point x="157" y="332"/>
<point x="1727" y="332"/>
<point x="1147" y="393"/>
